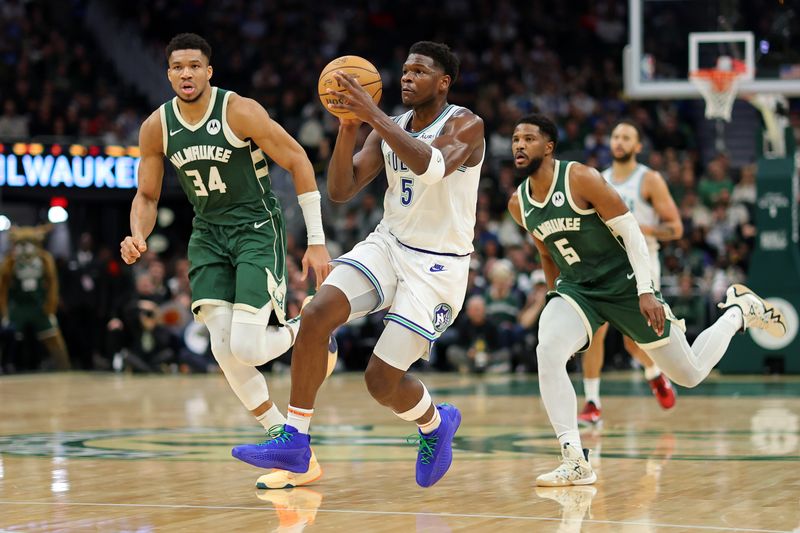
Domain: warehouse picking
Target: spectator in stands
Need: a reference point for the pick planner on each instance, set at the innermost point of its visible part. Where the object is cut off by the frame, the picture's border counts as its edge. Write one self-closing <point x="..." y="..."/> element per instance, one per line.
<point x="672" y="134"/>
<point x="57" y="84"/>
<point x="81" y="311"/>
<point x="477" y="347"/>
<point x="504" y="303"/>
<point x="13" y="126"/>
<point x="529" y="321"/>
<point x="744" y="192"/>
<point x="149" y="346"/>
<point x="715" y="181"/>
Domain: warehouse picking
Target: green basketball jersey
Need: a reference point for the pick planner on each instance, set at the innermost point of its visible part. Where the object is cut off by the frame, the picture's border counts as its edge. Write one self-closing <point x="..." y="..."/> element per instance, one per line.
<point x="582" y="246"/>
<point x="225" y="178"/>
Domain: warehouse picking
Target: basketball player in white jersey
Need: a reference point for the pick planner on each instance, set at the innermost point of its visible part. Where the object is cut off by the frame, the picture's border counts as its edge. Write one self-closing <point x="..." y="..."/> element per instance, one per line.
<point x="415" y="263"/>
<point x="645" y="193"/>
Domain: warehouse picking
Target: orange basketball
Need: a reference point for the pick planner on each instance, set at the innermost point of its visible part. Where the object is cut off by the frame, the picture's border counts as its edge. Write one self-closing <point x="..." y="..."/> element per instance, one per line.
<point x="362" y="70"/>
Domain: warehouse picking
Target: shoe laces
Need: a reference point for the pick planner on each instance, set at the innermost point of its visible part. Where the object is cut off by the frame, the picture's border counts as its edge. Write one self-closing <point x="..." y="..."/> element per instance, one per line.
<point x="277" y="433"/>
<point x="426" y="446"/>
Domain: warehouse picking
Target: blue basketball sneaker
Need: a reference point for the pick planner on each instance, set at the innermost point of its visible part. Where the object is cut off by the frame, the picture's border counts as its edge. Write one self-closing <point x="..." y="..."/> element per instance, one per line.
<point x="435" y="452"/>
<point x="285" y="449"/>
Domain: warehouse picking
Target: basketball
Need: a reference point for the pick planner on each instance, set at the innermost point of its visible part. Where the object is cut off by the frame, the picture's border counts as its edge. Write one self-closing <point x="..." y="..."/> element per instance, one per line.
<point x="362" y="70"/>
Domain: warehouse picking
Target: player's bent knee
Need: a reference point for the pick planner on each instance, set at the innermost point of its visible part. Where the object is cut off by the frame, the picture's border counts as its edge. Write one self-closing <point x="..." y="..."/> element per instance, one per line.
<point x="550" y="356"/>
<point x="689" y="381"/>
<point x="245" y="350"/>
<point x="322" y="318"/>
<point x="381" y="392"/>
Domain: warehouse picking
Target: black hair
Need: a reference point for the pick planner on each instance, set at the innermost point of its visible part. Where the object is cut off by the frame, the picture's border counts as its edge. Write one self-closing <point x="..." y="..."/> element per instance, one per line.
<point x="546" y="126"/>
<point x="441" y="54"/>
<point x="632" y="124"/>
<point x="188" y="41"/>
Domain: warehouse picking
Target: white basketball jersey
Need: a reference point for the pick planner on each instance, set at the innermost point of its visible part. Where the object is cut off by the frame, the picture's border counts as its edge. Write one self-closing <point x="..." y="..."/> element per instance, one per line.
<point x="438" y="218"/>
<point x="631" y="192"/>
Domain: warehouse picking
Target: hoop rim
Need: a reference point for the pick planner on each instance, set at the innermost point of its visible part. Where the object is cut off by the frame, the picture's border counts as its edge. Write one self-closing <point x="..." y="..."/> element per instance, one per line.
<point x="721" y="80"/>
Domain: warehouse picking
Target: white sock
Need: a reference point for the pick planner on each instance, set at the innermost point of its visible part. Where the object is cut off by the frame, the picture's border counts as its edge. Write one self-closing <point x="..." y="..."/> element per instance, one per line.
<point x="651" y="372"/>
<point x="271" y="417"/>
<point x="430" y="426"/>
<point x="733" y="317"/>
<point x="573" y="438"/>
<point x="299" y="418"/>
<point x="591" y="390"/>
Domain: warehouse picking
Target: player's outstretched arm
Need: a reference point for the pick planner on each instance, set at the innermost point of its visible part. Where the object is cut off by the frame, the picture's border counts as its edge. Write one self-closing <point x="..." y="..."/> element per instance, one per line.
<point x="656" y="191"/>
<point x="248" y="119"/>
<point x="589" y="189"/>
<point x="145" y="204"/>
<point x="348" y="173"/>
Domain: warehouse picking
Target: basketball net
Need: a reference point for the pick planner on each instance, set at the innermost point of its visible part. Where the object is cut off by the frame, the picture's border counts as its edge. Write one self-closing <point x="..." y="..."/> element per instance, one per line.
<point x="719" y="86"/>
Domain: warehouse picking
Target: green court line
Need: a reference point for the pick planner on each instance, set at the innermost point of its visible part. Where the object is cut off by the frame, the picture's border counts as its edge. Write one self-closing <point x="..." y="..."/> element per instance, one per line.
<point x="530" y="387"/>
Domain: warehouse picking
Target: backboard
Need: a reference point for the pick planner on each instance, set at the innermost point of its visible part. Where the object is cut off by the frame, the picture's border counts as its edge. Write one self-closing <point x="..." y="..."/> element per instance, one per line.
<point x="670" y="38"/>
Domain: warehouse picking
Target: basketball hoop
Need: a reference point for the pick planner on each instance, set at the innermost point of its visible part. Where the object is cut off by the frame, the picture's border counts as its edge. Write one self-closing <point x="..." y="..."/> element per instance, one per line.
<point x="719" y="86"/>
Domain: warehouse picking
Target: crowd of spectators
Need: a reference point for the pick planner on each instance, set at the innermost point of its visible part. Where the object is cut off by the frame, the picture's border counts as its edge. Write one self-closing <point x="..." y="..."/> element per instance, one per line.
<point x="56" y="85"/>
<point x="512" y="63"/>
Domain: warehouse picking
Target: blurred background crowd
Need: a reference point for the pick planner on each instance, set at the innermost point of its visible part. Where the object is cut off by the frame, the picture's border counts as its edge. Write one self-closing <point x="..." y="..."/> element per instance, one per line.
<point x="62" y="81"/>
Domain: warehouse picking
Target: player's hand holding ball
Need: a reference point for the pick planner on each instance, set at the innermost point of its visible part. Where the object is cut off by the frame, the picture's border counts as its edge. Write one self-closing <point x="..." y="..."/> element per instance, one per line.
<point x="350" y="87"/>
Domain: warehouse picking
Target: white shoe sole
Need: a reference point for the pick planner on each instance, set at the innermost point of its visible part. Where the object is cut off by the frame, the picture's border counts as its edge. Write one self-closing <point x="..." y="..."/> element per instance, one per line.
<point x="283" y="479"/>
<point x="776" y="325"/>
<point x="576" y="482"/>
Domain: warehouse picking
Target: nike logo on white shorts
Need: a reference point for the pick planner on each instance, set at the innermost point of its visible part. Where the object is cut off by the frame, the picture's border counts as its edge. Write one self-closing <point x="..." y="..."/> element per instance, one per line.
<point x="171" y="133"/>
<point x="259" y="224"/>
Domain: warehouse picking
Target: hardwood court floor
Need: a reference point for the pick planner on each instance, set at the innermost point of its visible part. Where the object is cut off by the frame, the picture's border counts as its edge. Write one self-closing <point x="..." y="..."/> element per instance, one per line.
<point x="82" y="452"/>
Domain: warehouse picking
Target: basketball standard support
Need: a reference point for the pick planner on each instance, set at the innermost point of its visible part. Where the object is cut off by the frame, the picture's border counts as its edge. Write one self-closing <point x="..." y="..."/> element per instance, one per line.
<point x="774" y="267"/>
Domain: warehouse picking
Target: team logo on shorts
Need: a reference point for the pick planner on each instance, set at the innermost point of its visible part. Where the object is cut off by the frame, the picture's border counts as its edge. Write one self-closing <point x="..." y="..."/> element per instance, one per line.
<point x="558" y="198"/>
<point x="442" y="316"/>
<point x="213" y="126"/>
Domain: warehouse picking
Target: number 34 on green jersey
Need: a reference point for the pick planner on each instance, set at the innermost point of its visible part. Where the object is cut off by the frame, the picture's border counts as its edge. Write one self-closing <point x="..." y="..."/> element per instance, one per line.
<point x="215" y="182"/>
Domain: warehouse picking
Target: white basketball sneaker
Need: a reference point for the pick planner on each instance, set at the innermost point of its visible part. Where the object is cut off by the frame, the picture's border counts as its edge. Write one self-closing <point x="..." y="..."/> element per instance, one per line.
<point x="757" y="313"/>
<point x="573" y="470"/>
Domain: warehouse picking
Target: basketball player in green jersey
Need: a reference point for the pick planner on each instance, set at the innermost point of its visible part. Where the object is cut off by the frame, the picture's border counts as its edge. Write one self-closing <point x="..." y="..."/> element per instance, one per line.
<point x="217" y="142"/>
<point x="645" y="193"/>
<point x="596" y="262"/>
